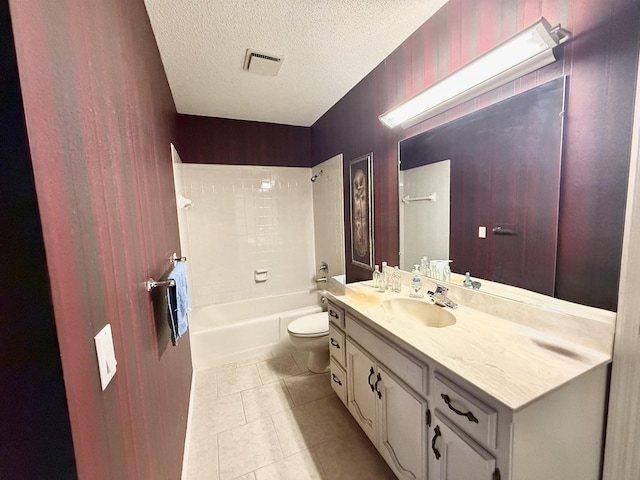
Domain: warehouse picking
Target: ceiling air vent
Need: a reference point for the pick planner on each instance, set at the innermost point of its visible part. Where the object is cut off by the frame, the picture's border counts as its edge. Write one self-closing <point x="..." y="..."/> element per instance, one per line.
<point x="262" y="63"/>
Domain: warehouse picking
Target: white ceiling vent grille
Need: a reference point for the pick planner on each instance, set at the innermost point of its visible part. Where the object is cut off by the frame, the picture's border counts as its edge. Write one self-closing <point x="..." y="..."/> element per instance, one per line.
<point x="262" y="63"/>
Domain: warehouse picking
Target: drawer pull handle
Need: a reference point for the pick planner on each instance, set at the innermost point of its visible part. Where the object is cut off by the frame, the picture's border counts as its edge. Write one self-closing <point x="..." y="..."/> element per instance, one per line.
<point x="376" y="386"/>
<point x="333" y="314"/>
<point x="336" y="379"/>
<point x="371" y="373"/>
<point x="470" y="416"/>
<point x="436" y="452"/>
<point x="334" y="343"/>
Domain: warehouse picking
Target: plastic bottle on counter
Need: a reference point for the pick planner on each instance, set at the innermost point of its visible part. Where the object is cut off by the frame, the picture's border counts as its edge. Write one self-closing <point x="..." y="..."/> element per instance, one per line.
<point x="396" y="280"/>
<point x="376" y="276"/>
<point x="416" y="283"/>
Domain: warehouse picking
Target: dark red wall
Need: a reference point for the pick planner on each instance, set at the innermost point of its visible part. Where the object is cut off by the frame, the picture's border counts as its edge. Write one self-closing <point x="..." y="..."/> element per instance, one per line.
<point x="601" y="61"/>
<point x="239" y="142"/>
<point x="36" y="435"/>
<point x="99" y="117"/>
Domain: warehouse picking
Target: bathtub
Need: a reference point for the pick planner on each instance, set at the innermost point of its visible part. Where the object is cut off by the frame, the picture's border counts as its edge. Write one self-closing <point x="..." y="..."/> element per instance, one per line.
<point x="226" y="332"/>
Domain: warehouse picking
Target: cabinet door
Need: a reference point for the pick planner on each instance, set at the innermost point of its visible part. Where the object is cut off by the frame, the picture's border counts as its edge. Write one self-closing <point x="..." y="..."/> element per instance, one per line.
<point x="360" y="392"/>
<point x="453" y="456"/>
<point x="402" y="427"/>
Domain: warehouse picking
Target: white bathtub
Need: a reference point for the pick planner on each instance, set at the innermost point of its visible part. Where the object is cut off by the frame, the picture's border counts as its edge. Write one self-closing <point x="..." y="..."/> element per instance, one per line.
<point x="226" y="332"/>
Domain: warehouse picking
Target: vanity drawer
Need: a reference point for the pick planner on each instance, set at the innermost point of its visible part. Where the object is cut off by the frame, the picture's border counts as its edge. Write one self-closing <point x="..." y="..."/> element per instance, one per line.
<point x="336" y="314"/>
<point x="477" y="420"/>
<point x="339" y="381"/>
<point x="337" y="346"/>
<point x="413" y="373"/>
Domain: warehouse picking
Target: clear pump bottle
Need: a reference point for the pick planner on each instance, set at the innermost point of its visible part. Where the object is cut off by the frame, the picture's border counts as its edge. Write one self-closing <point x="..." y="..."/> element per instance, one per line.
<point x="396" y="280"/>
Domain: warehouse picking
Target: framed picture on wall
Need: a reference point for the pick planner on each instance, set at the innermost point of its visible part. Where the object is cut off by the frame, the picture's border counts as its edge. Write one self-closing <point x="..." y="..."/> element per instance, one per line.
<point x="361" y="203"/>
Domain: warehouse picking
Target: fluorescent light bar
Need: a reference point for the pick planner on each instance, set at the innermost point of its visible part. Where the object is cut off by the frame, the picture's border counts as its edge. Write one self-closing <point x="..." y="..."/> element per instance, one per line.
<point x="523" y="53"/>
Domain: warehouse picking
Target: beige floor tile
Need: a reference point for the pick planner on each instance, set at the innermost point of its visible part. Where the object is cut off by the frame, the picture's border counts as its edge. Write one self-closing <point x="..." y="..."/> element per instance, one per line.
<point x="277" y="368"/>
<point x="312" y="423"/>
<point x="248" y="476"/>
<point x="237" y="379"/>
<point x="246" y="448"/>
<point x="211" y="417"/>
<point x="301" y="466"/>
<point x="254" y="359"/>
<point x="203" y="460"/>
<point x="301" y="357"/>
<point x="308" y="387"/>
<point x="352" y="457"/>
<point x="206" y="384"/>
<point x="266" y="400"/>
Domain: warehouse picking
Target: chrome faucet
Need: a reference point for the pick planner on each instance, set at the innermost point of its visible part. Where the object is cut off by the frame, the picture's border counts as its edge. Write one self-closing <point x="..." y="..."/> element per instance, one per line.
<point x="440" y="297"/>
<point x="470" y="283"/>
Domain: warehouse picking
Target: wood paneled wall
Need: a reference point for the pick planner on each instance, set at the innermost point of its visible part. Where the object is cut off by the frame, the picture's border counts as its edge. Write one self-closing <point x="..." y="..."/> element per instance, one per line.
<point x="99" y="117"/>
<point x="240" y="142"/>
<point x="601" y="61"/>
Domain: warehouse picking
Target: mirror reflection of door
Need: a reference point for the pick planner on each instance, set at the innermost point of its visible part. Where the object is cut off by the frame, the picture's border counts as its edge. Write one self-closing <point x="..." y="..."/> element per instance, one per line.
<point x="424" y="206"/>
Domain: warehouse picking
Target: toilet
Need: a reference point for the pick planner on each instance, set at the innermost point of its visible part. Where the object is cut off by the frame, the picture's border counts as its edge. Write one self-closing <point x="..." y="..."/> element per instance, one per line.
<point x="311" y="333"/>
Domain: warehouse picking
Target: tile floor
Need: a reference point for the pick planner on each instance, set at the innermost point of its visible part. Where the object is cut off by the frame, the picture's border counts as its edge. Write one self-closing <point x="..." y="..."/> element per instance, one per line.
<point x="269" y="418"/>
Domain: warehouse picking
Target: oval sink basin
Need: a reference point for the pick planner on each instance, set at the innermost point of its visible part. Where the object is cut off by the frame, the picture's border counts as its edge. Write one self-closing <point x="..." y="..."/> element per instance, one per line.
<point x="424" y="313"/>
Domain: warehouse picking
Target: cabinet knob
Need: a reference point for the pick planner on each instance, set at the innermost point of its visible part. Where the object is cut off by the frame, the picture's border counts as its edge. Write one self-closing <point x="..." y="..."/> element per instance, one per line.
<point x="333" y="314"/>
<point x="375" y="387"/>
<point x="336" y="379"/>
<point x="470" y="416"/>
<point x="371" y="373"/>
<point x="334" y="343"/>
<point x="436" y="452"/>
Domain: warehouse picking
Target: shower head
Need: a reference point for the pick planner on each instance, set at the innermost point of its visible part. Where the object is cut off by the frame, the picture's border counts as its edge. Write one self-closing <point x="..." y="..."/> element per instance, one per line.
<point x="315" y="177"/>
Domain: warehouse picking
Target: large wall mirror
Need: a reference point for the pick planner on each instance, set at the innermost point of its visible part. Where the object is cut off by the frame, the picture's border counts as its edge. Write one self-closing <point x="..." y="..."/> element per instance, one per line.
<point x="483" y="190"/>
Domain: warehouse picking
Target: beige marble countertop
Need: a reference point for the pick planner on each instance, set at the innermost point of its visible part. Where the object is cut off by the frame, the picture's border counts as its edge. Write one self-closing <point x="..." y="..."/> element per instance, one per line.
<point x="510" y="361"/>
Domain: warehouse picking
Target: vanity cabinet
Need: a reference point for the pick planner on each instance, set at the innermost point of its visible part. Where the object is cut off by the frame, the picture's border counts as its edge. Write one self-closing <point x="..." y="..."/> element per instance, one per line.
<point x="391" y="414"/>
<point x="430" y="422"/>
<point x="454" y="456"/>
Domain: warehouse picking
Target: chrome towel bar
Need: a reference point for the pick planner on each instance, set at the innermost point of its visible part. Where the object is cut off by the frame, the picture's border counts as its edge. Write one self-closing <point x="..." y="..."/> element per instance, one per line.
<point x="151" y="283"/>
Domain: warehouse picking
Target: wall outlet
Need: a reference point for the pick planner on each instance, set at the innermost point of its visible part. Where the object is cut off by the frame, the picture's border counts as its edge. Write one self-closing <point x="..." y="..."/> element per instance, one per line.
<point x="482" y="232"/>
<point x="106" y="355"/>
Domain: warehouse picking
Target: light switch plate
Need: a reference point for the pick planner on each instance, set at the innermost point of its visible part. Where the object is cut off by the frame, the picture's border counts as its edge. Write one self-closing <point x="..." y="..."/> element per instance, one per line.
<point x="482" y="232"/>
<point x="106" y="355"/>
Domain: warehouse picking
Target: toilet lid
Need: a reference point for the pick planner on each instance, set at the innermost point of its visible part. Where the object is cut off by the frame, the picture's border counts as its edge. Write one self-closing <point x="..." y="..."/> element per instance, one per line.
<point x="313" y="325"/>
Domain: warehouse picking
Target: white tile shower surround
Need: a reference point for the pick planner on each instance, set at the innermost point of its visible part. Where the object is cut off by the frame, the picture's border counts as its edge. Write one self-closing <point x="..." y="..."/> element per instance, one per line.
<point x="269" y="418"/>
<point x="246" y="218"/>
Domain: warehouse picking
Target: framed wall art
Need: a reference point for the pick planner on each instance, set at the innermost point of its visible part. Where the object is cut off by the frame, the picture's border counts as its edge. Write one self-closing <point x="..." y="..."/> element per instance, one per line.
<point x="361" y="203"/>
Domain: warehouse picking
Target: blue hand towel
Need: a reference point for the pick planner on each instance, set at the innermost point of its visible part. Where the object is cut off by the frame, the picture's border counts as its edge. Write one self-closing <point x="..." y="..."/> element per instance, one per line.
<point x="181" y="305"/>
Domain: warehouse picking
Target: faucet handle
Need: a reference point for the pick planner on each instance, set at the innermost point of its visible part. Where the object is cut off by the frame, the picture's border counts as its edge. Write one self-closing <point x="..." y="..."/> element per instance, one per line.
<point x="441" y="289"/>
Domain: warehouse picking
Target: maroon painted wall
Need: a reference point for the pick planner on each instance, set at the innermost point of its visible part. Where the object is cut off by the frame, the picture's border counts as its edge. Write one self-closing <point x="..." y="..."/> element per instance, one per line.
<point x="99" y="117"/>
<point x="239" y="142"/>
<point x="36" y="434"/>
<point x="601" y="61"/>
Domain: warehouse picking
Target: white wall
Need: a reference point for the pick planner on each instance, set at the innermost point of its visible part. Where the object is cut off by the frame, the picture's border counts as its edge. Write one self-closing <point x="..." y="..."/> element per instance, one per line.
<point x="246" y="218"/>
<point x="428" y="222"/>
<point x="328" y="215"/>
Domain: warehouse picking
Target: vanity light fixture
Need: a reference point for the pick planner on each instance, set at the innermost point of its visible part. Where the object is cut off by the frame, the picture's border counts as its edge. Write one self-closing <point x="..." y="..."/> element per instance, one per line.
<point x="526" y="51"/>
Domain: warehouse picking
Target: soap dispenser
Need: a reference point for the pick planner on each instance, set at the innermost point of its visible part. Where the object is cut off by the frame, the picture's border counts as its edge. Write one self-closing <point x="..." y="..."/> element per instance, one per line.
<point x="416" y="283"/>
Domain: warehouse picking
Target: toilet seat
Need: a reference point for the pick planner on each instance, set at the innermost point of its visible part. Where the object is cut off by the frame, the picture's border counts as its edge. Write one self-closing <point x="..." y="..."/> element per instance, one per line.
<point x="314" y="325"/>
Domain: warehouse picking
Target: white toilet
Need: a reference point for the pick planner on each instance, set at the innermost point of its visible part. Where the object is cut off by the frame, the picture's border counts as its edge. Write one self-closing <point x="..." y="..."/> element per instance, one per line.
<point x="311" y="333"/>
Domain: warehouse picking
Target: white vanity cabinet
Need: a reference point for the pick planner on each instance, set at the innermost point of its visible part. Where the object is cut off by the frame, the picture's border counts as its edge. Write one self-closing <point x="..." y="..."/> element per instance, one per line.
<point x="431" y="422"/>
<point x="337" y="351"/>
<point x="454" y="456"/>
<point x="391" y="414"/>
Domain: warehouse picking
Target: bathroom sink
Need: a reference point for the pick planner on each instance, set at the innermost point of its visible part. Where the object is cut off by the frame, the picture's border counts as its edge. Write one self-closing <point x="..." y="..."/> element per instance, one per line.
<point x="419" y="311"/>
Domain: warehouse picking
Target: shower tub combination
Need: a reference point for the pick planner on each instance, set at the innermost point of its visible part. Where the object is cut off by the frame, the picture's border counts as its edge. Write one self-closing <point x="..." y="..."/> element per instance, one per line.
<point x="230" y="331"/>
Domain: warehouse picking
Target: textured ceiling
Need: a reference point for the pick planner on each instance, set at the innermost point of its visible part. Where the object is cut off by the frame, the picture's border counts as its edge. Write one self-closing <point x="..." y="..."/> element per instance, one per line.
<point x="328" y="45"/>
